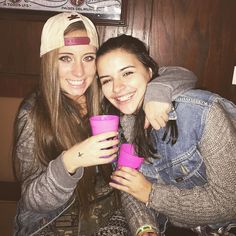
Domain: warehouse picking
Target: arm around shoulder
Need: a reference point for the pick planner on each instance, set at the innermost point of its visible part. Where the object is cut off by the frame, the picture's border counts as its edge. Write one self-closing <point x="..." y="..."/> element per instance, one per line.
<point x="171" y="82"/>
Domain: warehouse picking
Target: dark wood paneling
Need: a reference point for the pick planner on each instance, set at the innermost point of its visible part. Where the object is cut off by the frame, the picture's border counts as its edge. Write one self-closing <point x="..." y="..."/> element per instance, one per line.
<point x="199" y="35"/>
<point x="138" y="22"/>
<point x="17" y="85"/>
<point x="9" y="191"/>
<point x="19" y="57"/>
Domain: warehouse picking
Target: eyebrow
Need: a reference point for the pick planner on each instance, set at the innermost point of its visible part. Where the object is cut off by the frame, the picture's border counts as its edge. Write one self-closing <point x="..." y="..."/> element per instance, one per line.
<point x="124" y="68"/>
<point x="70" y="53"/>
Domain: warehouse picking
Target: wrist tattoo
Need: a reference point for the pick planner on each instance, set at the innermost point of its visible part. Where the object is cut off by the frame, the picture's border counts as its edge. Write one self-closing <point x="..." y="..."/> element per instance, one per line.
<point x="80" y="154"/>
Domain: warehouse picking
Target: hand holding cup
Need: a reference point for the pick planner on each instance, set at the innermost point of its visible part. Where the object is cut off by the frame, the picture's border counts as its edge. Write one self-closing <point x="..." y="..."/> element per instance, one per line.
<point x="128" y="158"/>
<point x="103" y="124"/>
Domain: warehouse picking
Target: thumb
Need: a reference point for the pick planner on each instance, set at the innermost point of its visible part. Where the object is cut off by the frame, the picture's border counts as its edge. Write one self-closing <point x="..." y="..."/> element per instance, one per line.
<point x="146" y="123"/>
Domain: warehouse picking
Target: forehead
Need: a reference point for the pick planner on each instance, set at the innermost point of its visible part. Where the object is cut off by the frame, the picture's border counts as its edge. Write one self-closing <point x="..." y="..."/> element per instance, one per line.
<point x="118" y="55"/>
<point x="78" y="49"/>
<point x="117" y="59"/>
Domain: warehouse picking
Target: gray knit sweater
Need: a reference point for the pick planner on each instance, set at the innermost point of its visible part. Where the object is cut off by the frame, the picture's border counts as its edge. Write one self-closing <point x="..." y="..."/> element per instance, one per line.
<point x="212" y="203"/>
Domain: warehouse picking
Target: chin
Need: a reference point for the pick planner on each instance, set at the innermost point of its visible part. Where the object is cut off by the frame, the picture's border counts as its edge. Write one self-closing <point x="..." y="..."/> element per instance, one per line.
<point x="127" y="112"/>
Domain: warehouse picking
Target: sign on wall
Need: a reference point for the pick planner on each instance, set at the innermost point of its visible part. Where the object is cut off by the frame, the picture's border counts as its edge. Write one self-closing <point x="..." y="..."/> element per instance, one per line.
<point x="105" y="10"/>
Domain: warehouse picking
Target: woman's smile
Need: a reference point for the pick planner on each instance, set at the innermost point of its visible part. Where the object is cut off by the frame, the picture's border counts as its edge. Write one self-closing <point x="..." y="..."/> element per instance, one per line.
<point x="125" y="98"/>
<point x="124" y="79"/>
<point x="75" y="83"/>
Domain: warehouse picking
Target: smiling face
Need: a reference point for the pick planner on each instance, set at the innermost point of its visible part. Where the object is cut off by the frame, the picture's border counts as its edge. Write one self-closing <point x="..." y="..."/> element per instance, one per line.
<point x="77" y="67"/>
<point x="124" y="79"/>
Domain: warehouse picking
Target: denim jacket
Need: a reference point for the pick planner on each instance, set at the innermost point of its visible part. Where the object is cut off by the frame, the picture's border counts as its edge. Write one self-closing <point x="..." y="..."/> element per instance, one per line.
<point x="182" y="165"/>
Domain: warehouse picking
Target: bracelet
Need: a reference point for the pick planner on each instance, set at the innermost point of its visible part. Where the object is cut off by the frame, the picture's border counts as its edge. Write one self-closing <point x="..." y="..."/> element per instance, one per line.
<point x="145" y="228"/>
<point x="147" y="204"/>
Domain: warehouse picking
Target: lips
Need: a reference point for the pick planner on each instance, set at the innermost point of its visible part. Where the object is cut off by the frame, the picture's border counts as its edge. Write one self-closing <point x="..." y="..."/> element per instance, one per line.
<point x="75" y="83"/>
<point x="124" y="98"/>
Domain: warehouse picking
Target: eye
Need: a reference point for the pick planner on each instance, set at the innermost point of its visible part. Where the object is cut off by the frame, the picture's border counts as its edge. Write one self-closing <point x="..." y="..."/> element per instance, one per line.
<point x="127" y="73"/>
<point x="65" y="59"/>
<point x="105" y="81"/>
<point x="89" y="58"/>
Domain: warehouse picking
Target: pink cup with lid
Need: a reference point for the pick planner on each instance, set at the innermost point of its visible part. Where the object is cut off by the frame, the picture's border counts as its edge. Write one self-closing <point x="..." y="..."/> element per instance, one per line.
<point x="128" y="158"/>
<point x="104" y="123"/>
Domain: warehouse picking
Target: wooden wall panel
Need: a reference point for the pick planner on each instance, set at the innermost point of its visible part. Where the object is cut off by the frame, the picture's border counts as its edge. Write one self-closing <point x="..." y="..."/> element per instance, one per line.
<point x="199" y="35"/>
<point x="138" y="22"/>
<point x="19" y="57"/>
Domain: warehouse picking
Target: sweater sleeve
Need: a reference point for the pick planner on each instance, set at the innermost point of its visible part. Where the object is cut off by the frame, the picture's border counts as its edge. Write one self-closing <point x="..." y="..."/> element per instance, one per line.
<point x="171" y="82"/>
<point x="46" y="187"/>
<point x="214" y="202"/>
<point x="136" y="213"/>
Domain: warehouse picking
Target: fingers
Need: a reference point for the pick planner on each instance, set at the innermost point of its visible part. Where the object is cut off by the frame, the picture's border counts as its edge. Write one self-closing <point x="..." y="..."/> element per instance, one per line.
<point x="119" y="186"/>
<point x="108" y="143"/>
<point x="159" y="122"/>
<point x="108" y="152"/>
<point x="146" y="123"/>
<point x="124" y="175"/>
<point x="122" y="178"/>
<point x="157" y="114"/>
<point x="165" y="117"/>
<point x="126" y="171"/>
<point x="107" y="159"/>
<point x="104" y="136"/>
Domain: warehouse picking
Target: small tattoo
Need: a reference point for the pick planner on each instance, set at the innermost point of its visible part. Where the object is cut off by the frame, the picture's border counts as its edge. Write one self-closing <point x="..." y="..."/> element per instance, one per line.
<point x="80" y="154"/>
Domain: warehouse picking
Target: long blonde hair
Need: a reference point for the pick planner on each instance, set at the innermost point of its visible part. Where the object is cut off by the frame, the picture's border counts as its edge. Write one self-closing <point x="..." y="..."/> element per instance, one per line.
<point x="58" y="121"/>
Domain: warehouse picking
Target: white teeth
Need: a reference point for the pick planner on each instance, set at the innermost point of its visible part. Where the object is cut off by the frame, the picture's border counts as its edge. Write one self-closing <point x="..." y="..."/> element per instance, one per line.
<point x="75" y="82"/>
<point x="125" y="98"/>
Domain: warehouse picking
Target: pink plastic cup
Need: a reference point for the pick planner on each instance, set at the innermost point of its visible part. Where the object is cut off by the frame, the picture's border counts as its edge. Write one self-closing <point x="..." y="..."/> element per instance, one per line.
<point x="127" y="147"/>
<point x="104" y="123"/>
<point x="128" y="158"/>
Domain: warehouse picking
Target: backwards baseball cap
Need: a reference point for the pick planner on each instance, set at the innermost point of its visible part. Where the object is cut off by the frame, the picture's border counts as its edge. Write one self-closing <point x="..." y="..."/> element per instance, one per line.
<point x="53" y="32"/>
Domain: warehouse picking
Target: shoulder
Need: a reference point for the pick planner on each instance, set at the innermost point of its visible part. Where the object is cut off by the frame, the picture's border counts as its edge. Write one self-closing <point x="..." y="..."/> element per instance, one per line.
<point x="24" y="118"/>
<point x="174" y="70"/>
<point x="26" y="106"/>
<point x="198" y="97"/>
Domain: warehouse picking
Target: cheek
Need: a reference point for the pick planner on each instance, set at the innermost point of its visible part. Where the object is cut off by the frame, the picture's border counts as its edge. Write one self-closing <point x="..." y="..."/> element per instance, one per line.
<point x="108" y="92"/>
<point x="105" y="91"/>
<point x="62" y="70"/>
<point x="90" y="69"/>
<point x="144" y="79"/>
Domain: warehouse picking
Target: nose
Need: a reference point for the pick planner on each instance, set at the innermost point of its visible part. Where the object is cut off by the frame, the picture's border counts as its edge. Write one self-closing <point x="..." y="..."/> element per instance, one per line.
<point x="78" y="69"/>
<point x="118" y="85"/>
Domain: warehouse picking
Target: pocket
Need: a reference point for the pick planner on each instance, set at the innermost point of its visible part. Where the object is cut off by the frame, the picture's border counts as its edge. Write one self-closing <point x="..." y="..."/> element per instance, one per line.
<point x="185" y="171"/>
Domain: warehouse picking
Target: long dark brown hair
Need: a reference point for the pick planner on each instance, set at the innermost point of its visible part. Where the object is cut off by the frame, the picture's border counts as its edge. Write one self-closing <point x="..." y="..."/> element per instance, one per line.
<point x="58" y="122"/>
<point x="141" y="136"/>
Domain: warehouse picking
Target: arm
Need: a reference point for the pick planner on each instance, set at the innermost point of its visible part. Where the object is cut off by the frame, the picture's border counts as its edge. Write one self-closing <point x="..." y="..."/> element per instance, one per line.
<point x="46" y="188"/>
<point x="214" y="202"/>
<point x="172" y="82"/>
<point x="137" y="213"/>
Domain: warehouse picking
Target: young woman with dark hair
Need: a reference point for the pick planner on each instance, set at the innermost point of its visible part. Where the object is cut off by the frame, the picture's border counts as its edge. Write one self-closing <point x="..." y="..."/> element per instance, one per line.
<point x="188" y="176"/>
